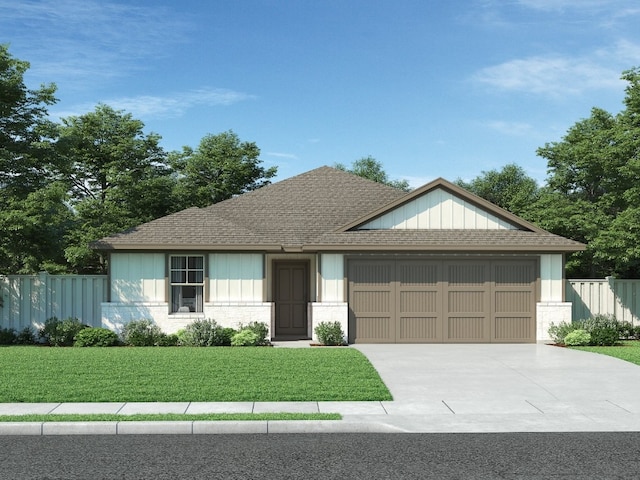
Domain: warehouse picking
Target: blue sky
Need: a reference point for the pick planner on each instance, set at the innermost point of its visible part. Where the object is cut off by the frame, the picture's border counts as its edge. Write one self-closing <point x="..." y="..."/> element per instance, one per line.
<point x="430" y="88"/>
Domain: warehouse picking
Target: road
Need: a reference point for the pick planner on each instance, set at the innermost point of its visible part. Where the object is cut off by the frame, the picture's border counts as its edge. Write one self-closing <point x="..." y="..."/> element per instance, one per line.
<point x="328" y="456"/>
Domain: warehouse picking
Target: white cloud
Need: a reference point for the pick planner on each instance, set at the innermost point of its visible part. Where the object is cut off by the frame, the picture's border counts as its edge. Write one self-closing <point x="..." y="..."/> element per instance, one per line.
<point x="73" y="40"/>
<point x="283" y="155"/>
<point x="550" y="75"/>
<point x="171" y="106"/>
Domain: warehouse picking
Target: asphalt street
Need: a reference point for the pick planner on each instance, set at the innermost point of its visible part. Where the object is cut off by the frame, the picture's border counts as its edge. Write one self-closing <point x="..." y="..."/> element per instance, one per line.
<point x="564" y="456"/>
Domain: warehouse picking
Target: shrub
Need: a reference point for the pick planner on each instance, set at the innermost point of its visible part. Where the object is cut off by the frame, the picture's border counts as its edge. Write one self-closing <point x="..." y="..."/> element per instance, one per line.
<point x="330" y="333"/>
<point x="604" y="330"/>
<point x="7" y="336"/>
<point x="560" y="331"/>
<point x="245" y="338"/>
<point x="204" y="333"/>
<point x="577" y="338"/>
<point x="25" y="337"/>
<point x="261" y="330"/>
<point x="141" y="333"/>
<point x="96" y="337"/>
<point x="625" y="330"/>
<point x="167" y="340"/>
<point x="61" y="333"/>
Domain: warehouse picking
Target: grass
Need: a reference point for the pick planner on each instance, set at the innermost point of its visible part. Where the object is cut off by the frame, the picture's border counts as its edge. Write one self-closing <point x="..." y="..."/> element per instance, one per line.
<point x="628" y="351"/>
<point x="113" y="417"/>
<point x="178" y="374"/>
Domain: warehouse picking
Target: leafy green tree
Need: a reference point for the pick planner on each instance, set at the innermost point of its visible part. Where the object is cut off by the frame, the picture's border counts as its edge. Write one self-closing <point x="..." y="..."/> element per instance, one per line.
<point x="368" y="167"/>
<point x="117" y="176"/>
<point x="25" y="131"/>
<point x="510" y="188"/>
<point x="593" y="188"/>
<point x="32" y="210"/>
<point x="220" y="167"/>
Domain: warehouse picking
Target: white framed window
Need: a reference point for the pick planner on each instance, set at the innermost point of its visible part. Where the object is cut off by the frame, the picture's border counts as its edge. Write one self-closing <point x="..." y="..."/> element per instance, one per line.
<point x="187" y="283"/>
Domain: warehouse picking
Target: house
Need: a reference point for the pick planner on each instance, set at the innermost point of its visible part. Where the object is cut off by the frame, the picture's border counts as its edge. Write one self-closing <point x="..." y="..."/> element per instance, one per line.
<point x="437" y="264"/>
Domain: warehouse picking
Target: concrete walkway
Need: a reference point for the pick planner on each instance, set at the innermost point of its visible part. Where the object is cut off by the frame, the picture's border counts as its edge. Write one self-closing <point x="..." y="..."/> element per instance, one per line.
<point x="436" y="388"/>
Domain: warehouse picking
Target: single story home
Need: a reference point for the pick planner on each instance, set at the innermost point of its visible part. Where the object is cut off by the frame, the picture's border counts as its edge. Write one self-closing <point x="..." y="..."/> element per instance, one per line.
<point x="437" y="264"/>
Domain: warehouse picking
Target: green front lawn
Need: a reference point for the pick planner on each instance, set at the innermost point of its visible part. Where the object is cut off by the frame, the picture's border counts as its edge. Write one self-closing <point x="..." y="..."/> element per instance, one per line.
<point x="179" y="374"/>
<point x="629" y="350"/>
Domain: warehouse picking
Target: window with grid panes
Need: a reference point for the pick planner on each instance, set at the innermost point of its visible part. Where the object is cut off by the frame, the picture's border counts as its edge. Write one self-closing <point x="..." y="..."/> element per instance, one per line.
<point x="187" y="283"/>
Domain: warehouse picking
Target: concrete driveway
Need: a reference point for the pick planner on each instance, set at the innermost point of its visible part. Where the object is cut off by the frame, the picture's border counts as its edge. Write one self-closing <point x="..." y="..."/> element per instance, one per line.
<point x="528" y="387"/>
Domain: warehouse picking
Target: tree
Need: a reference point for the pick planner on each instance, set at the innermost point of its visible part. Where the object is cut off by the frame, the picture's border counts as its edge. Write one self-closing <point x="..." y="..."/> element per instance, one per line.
<point x="219" y="168"/>
<point x="117" y="176"/>
<point x="26" y="165"/>
<point x="368" y="167"/>
<point x="510" y="188"/>
<point x="593" y="188"/>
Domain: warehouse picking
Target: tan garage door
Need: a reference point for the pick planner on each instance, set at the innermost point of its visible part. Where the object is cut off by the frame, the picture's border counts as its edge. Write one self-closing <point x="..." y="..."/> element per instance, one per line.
<point x="434" y="301"/>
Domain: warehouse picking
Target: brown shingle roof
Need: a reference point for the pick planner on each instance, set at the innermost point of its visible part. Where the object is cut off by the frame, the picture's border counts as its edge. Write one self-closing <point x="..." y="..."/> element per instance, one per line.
<point x="308" y="212"/>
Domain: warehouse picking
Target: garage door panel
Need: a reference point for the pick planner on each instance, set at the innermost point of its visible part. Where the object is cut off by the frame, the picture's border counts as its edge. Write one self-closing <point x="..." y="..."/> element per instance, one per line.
<point x="512" y="329"/>
<point x="466" y="329"/>
<point x="513" y="301"/>
<point x="372" y="301"/>
<point x="418" y="273"/>
<point x="448" y="300"/>
<point x="374" y="329"/>
<point x="419" y="329"/>
<point x="466" y="274"/>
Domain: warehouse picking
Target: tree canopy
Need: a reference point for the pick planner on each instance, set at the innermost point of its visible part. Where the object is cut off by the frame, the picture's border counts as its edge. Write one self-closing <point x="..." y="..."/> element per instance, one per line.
<point x="65" y="185"/>
<point x="368" y="167"/>
<point x="592" y="193"/>
<point x="510" y="188"/>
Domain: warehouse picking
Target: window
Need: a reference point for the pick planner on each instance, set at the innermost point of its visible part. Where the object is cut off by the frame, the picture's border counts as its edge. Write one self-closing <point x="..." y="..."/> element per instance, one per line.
<point x="187" y="283"/>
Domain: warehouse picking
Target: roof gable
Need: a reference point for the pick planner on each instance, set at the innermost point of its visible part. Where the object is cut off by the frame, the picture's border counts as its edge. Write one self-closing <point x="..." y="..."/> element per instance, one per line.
<point x="440" y="205"/>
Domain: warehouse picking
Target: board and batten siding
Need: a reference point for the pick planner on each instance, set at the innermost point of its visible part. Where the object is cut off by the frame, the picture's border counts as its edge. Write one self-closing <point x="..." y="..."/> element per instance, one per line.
<point x="332" y="277"/>
<point x="236" y="277"/>
<point x="138" y="277"/>
<point x="438" y="209"/>
<point x="551" y="278"/>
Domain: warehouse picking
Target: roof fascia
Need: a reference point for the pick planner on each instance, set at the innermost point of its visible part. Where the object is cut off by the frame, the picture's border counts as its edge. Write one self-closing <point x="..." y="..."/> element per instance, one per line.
<point x="447" y="248"/>
<point x="172" y="247"/>
<point x="452" y="188"/>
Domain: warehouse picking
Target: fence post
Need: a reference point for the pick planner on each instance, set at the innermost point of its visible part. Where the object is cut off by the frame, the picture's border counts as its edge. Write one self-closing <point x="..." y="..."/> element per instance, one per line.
<point x="42" y="283"/>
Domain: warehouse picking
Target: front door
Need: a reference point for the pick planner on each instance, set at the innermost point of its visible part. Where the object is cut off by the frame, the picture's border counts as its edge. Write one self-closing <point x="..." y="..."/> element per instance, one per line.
<point x="291" y="297"/>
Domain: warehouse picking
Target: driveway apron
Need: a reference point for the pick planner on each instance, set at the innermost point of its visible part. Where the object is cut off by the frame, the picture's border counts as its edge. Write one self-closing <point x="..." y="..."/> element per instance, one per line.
<point x="505" y="379"/>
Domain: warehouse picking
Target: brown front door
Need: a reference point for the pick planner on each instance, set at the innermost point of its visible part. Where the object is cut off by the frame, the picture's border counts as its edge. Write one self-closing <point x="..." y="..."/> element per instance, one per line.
<point x="291" y="297"/>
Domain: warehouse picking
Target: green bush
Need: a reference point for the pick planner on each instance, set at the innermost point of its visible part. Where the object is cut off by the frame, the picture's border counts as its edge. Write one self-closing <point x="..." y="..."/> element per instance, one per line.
<point x="170" y="340"/>
<point x="61" y="333"/>
<point x="7" y="336"/>
<point x="560" y="331"/>
<point x="330" y="333"/>
<point x="25" y="337"/>
<point x="577" y="338"/>
<point x="96" y="337"/>
<point x="261" y="330"/>
<point x="204" y="333"/>
<point x="245" y="338"/>
<point x="626" y="330"/>
<point x="141" y="333"/>
<point x="604" y="330"/>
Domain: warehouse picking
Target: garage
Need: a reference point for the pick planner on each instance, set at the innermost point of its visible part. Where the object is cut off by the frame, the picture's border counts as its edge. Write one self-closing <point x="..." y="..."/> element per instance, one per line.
<point x="436" y="300"/>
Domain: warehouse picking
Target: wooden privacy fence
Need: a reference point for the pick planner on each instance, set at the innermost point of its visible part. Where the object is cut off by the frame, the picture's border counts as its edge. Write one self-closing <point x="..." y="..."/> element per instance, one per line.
<point x="28" y="300"/>
<point x="610" y="296"/>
